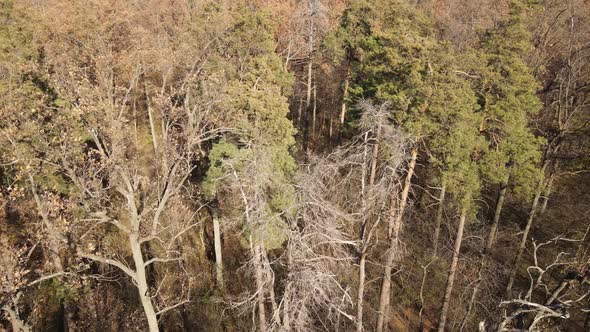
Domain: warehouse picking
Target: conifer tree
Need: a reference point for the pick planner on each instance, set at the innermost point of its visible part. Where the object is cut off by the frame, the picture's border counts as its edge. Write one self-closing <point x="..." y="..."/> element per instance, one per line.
<point x="252" y="164"/>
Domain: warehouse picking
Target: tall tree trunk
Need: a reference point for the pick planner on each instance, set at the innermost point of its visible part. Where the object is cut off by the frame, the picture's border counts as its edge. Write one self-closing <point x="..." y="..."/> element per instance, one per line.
<point x="439" y="217"/>
<point x="549" y="187"/>
<point x="151" y="121"/>
<point x="487" y="248"/>
<point x="344" y="96"/>
<point x="218" y="252"/>
<point x="308" y="110"/>
<point x="314" y="113"/>
<point x="497" y="213"/>
<point x="363" y="245"/>
<point x="361" y="291"/>
<point x="525" y="234"/>
<point x="452" y="271"/>
<point x="393" y="251"/>
<point x="260" y="287"/>
<point x="142" y="283"/>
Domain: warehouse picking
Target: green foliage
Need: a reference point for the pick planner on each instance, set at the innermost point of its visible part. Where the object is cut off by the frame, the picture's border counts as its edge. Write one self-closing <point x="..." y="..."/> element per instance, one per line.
<point x="258" y="150"/>
<point x="386" y="44"/>
<point x="509" y="100"/>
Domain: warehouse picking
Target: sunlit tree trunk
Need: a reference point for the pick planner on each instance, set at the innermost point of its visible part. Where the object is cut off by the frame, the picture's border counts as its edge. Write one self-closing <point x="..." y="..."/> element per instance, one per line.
<point x="218" y="252"/>
<point x="452" y="271"/>
<point x="497" y="214"/>
<point x="439" y="217"/>
<point x="363" y="245"/>
<point x="484" y="258"/>
<point x="344" y="96"/>
<point x="525" y="233"/>
<point x="141" y="281"/>
<point x="260" y="287"/>
<point x="394" y="250"/>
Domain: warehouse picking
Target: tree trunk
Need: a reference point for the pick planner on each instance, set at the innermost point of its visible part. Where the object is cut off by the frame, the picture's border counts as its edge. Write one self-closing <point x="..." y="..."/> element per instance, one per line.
<point x="142" y="284"/>
<point x="525" y="235"/>
<point x="487" y="248"/>
<point x="260" y="287"/>
<point x="314" y="113"/>
<point x="549" y="188"/>
<point x="306" y="129"/>
<point x="374" y="155"/>
<point x="497" y="213"/>
<point x="362" y="251"/>
<point x="151" y="121"/>
<point x="439" y="216"/>
<point x="218" y="252"/>
<point x="361" y="291"/>
<point x="17" y="324"/>
<point x="452" y="271"/>
<point x="344" y="96"/>
<point x="393" y="252"/>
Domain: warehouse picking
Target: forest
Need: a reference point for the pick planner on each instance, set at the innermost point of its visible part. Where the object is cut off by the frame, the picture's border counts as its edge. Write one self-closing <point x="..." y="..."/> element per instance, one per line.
<point x="294" y="165"/>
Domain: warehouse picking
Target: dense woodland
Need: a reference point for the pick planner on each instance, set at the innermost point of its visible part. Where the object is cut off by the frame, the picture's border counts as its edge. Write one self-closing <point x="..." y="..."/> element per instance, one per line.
<point x="294" y="165"/>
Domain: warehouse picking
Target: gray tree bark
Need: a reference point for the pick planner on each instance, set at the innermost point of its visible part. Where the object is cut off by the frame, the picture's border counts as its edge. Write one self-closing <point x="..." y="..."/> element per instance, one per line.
<point x="452" y="271"/>
<point x="218" y="251"/>
<point x="141" y="281"/>
<point x="525" y="234"/>
<point x="394" y="250"/>
<point x="439" y="216"/>
<point x="497" y="213"/>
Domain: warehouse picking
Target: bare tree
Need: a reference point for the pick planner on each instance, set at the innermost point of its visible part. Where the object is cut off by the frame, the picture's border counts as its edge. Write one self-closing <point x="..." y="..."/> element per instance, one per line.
<point x="541" y="303"/>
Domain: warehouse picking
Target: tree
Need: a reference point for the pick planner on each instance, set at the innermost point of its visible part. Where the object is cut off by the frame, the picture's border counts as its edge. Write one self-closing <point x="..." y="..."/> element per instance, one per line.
<point x="251" y="167"/>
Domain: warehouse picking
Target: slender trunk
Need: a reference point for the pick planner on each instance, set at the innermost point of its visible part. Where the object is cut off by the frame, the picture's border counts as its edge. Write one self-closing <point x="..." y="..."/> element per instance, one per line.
<point x="439" y="216"/>
<point x="374" y="155"/>
<point x="306" y="129"/>
<point x="525" y="235"/>
<point x="565" y="283"/>
<point x="394" y="250"/>
<point x="151" y="120"/>
<point x="142" y="283"/>
<point x="452" y="271"/>
<point x="549" y="188"/>
<point x="218" y="252"/>
<point x="260" y="287"/>
<point x="362" y="251"/>
<point x="344" y="96"/>
<point x="300" y="111"/>
<point x="314" y="113"/>
<point x="361" y="291"/>
<point x="488" y="246"/>
<point x="497" y="213"/>
<point x="330" y="127"/>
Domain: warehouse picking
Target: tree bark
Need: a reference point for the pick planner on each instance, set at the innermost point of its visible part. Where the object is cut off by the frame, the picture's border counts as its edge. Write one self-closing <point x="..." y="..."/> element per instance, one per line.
<point x="344" y="96"/>
<point x="362" y="251"/>
<point x="142" y="283"/>
<point x="361" y="291"/>
<point x="218" y="252"/>
<point x="260" y="287"/>
<point x="452" y="271"/>
<point x="549" y="188"/>
<point x="487" y="248"/>
<point x="525" y="234"/>
<point x="314" y="113"/>
<point x="439" y="216"/>
<point x="393" y="252"/>
<point x="497" y="213"/>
